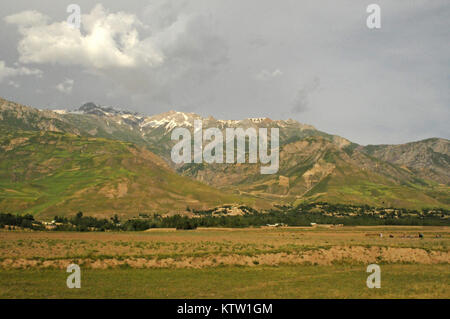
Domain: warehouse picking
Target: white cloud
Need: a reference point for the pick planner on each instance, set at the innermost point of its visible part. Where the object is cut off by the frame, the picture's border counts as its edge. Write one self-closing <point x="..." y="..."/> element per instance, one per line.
<point x="109" y="40"/>
<point x="162" y="62"/>
<point x="66" y="86"/>
<point x="7" y="72"/>
<point x="27" y="19"/>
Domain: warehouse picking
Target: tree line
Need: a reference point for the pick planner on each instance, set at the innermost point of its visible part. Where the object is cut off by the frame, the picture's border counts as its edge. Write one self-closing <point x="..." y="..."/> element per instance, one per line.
<point x="302" y="215"/>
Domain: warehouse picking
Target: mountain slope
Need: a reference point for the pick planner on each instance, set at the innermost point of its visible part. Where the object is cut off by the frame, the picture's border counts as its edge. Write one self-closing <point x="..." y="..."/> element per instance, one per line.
<point x="429" y="159"/>
<point x="17" y="116"/>
<point x="154" y="131"/>
<point x="51" y="173"/>
<point x="317" y="169"/>
<point x="314" y="166"/>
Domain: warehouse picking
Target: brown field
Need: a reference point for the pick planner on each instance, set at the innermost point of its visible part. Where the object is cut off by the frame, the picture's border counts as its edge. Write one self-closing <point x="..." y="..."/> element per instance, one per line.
<point x="168" y="248"/>
<point x="286" y="262"/>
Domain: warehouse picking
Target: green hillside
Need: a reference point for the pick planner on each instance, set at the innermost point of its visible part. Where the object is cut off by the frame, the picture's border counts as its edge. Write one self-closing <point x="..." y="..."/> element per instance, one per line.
<point x="51" y="173"/>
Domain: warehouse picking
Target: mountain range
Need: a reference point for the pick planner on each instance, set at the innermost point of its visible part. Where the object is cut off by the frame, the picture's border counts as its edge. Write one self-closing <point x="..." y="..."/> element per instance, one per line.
<point x="102" y="161"/>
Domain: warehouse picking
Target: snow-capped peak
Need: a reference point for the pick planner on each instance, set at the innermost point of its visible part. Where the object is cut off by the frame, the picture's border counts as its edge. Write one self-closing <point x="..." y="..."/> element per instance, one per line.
<point x="171" y="119"/>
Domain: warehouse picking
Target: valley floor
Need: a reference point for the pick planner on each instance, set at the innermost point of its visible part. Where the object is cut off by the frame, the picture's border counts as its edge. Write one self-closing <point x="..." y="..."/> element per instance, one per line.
<point x="284" y="262"/>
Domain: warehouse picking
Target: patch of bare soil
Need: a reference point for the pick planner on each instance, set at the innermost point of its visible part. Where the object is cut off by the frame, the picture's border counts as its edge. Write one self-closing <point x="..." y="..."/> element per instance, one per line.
<point x="338" y="254"/>
<point x="15" y="142"/>
<point x="115" y="191"/>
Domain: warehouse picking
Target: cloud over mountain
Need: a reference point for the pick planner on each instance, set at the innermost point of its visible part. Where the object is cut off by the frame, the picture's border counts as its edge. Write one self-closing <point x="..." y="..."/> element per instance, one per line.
<point x="150" y="59"/>
<point x="255" y="58"/>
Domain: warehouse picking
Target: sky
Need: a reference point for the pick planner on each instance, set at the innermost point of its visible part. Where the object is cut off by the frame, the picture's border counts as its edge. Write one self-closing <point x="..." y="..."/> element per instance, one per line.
<point x="313" y="61"/>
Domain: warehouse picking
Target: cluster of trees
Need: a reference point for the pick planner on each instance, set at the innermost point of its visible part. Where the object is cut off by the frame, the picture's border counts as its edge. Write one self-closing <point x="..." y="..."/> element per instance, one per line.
<point x="86" y="223"/>
<point x="156" y="221"/>
<point x="291" y="217"/>
<point x="25" y="221"/>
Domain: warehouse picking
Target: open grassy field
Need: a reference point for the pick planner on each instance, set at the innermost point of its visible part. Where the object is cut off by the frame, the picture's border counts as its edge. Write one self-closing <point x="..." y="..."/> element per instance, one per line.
<point x="228" y="263"/>
<point x="337" y="281"/>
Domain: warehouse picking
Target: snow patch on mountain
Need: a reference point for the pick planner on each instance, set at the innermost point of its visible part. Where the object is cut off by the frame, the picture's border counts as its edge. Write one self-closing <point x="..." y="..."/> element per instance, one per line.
<point x="172" y="119"/>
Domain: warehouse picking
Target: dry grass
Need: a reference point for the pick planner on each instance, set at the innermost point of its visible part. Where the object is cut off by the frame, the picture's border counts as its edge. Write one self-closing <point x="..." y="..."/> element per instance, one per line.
<point x="216" y="247"/>
<point x="228" y="263"/>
